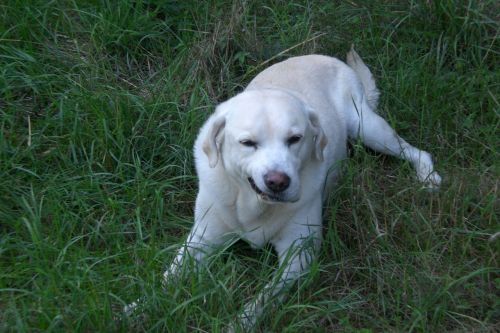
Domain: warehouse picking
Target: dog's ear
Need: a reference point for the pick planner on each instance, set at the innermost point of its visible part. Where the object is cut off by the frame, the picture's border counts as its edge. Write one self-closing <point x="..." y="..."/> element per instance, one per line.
<point x="211" y="147"/>
<point x="320" y="139"/>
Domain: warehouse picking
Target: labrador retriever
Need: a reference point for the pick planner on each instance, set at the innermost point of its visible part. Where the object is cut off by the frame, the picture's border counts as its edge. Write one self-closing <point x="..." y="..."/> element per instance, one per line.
<point x="267" y="158"/>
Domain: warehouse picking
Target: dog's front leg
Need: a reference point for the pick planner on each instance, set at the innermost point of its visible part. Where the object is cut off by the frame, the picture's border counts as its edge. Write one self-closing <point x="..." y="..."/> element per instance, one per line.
<point x="296" y="249"/>
<point x="197" y="247"/>
<point x="208" y="233"/>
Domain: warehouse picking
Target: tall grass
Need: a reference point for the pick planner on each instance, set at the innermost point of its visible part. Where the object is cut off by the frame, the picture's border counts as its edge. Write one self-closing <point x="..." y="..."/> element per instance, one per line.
<point x="100" y="102"/>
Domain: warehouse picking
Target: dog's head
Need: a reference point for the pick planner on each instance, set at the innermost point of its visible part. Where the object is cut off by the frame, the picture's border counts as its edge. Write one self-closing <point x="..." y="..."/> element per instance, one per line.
<point x="263" y="138"/>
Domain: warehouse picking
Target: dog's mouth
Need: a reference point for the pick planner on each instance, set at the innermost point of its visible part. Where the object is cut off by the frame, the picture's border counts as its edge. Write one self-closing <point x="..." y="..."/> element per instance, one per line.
<point x="265" y="196"/>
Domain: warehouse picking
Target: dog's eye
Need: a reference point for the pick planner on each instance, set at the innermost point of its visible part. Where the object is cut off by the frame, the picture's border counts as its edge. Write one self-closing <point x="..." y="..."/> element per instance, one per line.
<point x="249" y="143"/>
<point x="293" y="139"/>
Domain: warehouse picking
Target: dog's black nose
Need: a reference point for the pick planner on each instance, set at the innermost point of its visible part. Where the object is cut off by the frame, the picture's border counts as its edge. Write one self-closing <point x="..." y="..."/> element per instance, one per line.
<point x="276" y="181"/>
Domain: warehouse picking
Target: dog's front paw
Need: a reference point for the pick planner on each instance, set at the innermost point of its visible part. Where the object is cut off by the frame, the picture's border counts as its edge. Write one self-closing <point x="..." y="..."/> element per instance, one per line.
<point x="240" y="325"/>
<point x="231" y="328"/>
<point x="131" y="308"/>
<point x="135" y="309"/>
<point x="171" y="273"/>
<point x="245" y="322"/>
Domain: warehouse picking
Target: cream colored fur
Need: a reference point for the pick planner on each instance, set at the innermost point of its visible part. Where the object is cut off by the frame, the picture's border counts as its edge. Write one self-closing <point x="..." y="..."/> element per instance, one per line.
<point x="291" y="125"/>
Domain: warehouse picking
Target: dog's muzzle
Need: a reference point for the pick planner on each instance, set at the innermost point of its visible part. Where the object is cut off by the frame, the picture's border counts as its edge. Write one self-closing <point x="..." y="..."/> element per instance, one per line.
<point x="275" y="196"/>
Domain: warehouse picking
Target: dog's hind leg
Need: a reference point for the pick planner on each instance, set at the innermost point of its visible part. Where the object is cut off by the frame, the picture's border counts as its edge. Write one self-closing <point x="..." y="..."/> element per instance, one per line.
<point x="376" y="133"/>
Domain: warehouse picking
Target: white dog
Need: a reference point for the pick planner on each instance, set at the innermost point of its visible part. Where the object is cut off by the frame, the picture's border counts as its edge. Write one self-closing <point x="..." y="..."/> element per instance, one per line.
<point x="267" y="157"/>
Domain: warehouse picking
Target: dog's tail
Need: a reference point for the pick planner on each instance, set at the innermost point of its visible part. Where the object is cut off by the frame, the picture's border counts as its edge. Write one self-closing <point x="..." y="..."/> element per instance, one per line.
<point x="354" y="61"/>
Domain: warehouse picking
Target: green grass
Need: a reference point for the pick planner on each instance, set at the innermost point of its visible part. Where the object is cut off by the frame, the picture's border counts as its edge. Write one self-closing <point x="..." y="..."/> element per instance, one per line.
<point x="100" y="102"/>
